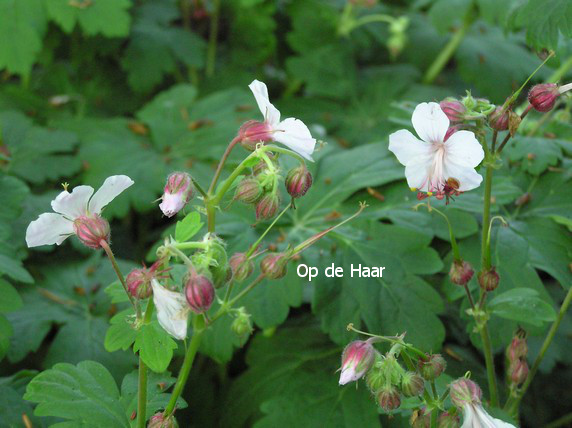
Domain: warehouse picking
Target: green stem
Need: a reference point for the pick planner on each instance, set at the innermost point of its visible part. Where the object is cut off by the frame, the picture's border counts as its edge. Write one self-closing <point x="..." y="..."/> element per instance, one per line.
<point x="454" y="246"/>
<point x="564" y="420"/>
<point x="490" y="364"/>
<point x="512" y="405"/>
<point x="391" y="339"/>
<point x="434" y="415"/>
<point x="142" y="386"/>
<point x="228" y="305"/>
<point x="449" y="49"/>
<point x="198" y="330"/>
<point x="561" y="71"/>
<point x="190" y="245"/>
<point x="213" y="36"/>
<point x="225" y="155"/>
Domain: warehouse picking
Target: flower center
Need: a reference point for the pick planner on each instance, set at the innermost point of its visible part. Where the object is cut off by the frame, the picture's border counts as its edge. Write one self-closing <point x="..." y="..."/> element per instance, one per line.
<point x="436" y="173"/>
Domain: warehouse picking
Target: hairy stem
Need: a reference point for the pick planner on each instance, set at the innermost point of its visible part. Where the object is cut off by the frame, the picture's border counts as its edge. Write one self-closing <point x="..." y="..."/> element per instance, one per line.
<point x="220" y="166"/>
<point x="142" y="384"/>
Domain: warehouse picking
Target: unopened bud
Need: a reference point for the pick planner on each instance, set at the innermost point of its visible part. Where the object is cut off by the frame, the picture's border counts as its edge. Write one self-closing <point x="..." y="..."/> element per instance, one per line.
<point x="298" y="181"/>
<point x="178" y="192"/>
<point x="253" y="132"/>
<point x="432" y="366"/>
<point x="420" y="419"/>
<point x="461" y="272"/>
<point x="543" y="97"/>
<point x="241" y="267"/>
<point x="499" y="118"/>
<point x="489" y="279"/>
<point x="388" y="398"/>
<point x="139" y="281"/>
<point x="412" y="384"/>
<point x="242" y="325"/>
<point x="357" y="359"/>
<point x="375" y="378"/>
<point x="465" y="391"/>
<point x="454" y="109"/>
<point x="513" y="122"/>
<point x="274" y="265"/>
<point x="267" y="207"/>
<point x="518" y="347"/>
<point x="91" y="230"/>
<point x="158" y="420"/>
<point x="451" y="130"/>
<point x="248" y="191"/>
<point x="199" y="292"/>
<point x="448" y="420"/>
<point x="518" y="371"/>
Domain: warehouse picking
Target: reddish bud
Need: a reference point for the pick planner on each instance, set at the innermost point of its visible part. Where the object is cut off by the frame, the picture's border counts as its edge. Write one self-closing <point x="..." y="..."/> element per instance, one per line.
<point x="455" y="110"/>
<point x="253" y="132"/>
<point x="357" y="359"/>
<point x="461" y="272"/>
<point x="388" y="398"/>
<point x="298" y="181"/>
<point x="139" y="281"/>
<point x="543" y="97"/>
<point x="274" y="265"/>
<point x="412" y="384"/>
<point x="241" y="267"/>
<point x="199" y="292"/>
<point x="267" y="207"/>
<point x="518" y="347"/>
<point x="451" y="130"/>
<point x="178" y="192"/>
<point x="518" y="371"/>
<point x="498" y="119"/>
<point x="448" y="420"/>
<point x="248" y="191"/>
<point x="91" y="230"/>
<point x="465" y="391"/>
<point x="489" y="279"/>
<point x="158" y="420"/>
<point x="432" y="366"/>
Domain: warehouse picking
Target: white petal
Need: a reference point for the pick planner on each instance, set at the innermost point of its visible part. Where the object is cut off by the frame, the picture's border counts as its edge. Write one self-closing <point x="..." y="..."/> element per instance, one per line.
<point x="295" y="135"/>
<point x="464" y="148"/>
<point x="109" y="190"/>
<point x="406" y="147"/>
<point x="171" y="203"/>
<point x="468" y="416"/>
<point x="468" y="178"/>
<point x="48" y="229"/>
<point x="430" y="122"/>
<point x="172" y="310"/>
<point x="74" y="204"/>
<point x="417" y="173"/>
<point x="487" y="421"/>
<point x="348" y="375"/>
<point x="260" y="91"/>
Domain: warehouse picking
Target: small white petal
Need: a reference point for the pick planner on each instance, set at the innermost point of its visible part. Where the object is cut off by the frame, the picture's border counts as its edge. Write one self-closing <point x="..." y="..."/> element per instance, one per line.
<point x="295" y="135"/>
<point x="464" y="149"/>
<point x="348" y="375"/>
<point x="417" y="173"/>
<point x="48" y="229"/>
<point x="260" y="91"/>
<point x="406" y="147"/>
<point x="74" y="204"/>
<point x="109" y="190"/>
<point x="487" y="421"/>
<point x="468" y="178"/>
<point x="171" y="203"/>
<point x="430" y="122"/>
<point x="172" y="310"/>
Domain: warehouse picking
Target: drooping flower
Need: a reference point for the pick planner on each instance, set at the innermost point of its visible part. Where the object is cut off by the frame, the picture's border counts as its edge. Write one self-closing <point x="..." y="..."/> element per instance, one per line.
<point x="77" y="213"/>
<point x="172" y="310"/>
<point x="293" y="133"/>
<point x="430" y="160"/>
<point x="357" y="359"/>
<point x="178" y="192"/>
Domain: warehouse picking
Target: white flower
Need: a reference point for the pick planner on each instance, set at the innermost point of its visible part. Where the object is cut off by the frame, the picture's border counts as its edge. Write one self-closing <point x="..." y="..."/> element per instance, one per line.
<point x="172" y="310"/>
<point x="474" y="416"/>
<point x="293" y="133"/>
<point x="54" y="228"/>
<point x="430" y="161"/>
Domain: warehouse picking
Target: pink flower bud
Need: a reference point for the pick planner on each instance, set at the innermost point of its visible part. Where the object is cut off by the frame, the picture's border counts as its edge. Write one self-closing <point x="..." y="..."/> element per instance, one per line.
<point x="298" y="181"/>
<point x="543" y="97"/>
<point x="178" y="192"/>
<point x="267" y="207"/>
<point x="432" y="366"/>
<point x="448" y="420"/>
<point x="274" y="265"/>
<point x="199" y="292"/>
<point x="455" y="110"/>
<point x="241" y="267"/>
<point x="461" y="272"/>
<point x="357" y="359"/>
<point x="139" y="280"/>
<point x="489" y="279"/>
<point x="253" y="132"/>
<point x="451" y="130"/>
<point x="518" y="347"/>
<point x="518" y="371"/>
<point x="388" y="398"/>
<point x="158" y="420"/>
<point x="248" y="191"/>
<point x="91" y="230"/>
<point x="465" y="391"/>
<point x="498" y="119"/>
<point x="412" y="384"/>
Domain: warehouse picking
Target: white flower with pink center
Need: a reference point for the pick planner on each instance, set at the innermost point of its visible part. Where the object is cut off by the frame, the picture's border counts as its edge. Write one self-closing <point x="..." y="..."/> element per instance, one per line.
<point x="431" y="160"/>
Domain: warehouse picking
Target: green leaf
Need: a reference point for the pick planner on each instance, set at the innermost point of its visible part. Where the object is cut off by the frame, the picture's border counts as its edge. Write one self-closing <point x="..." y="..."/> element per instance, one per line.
<point x="11" y="300"/>
<point x="121" y="334"/>
<point x="155" y="346"/>
<point x="522" y="305"/>
<point x="188" y="227"/>
<point x="5" y="334"/>
<point x="535" y="154"/>
<point x="545" y="21"/>
<point x="13" y="407"/>
<point x="107" y="17"/>
<point x="14" y="269"/>
<point x="117" y="293"/>
<point x="85" y="394"/>
<point x="446" y="14"/>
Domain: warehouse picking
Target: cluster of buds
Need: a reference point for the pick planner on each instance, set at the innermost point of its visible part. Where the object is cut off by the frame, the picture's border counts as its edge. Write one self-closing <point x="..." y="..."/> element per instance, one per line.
<point x="463" y="113"/>
<point x="178" y="191"/>
<point x="461" y="272"/>
<point x="516" y="355"/>
<point x="139" y="280"/>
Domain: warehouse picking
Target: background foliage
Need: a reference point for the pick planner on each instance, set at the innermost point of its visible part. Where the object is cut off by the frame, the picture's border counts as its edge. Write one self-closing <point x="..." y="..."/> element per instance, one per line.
<point x="91" y="88"/>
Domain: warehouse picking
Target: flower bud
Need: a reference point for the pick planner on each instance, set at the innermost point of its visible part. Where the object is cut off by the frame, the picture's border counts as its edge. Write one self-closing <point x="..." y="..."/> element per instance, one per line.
<point x="498" y="119"/>
<point x="464" y="391"/>
<point x="412" y="384"/>
<point x="461" y="272"/>
<point x="420" y="419"/>
<point x="543" y="97"/>
<point x="518" y="347"/>
<point x="91" y="230"/>
<point x="489" y="279"/>
<point x="454" y="109"/>
<point x="298" y="181"/>
<point x="248" y="191"/>
<point x="158" y="420"/>
<point x="451" y="130"/>
<point x="266" y="208"/>
<point x="178" y="192"/>
<point x="432" y="366"/>
<point x="375" y="378"/>
<point x="518" y="371"/>
<point x="274" y="265"/>
<point x="448" y="420"/>
<point x="242" y="325"/>
<point x="357" y="359"/>
<point x="199" y="292"/>
<point x="388" y="398"/>
<point x="241" y="267"/>
<point x="513" y="122"/>
<point x="253" y="132"/>
<point x="139" y="280"/>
